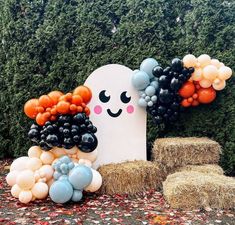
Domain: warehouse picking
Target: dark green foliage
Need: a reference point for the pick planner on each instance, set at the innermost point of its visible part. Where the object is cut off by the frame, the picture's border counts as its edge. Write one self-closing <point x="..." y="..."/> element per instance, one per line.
<point x="56" y="44"/>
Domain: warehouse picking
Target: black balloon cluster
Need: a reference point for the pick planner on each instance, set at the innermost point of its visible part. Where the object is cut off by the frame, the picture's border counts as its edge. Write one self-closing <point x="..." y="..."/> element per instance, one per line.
<point x="67" y="131"/>
<point x="170" y="80"/>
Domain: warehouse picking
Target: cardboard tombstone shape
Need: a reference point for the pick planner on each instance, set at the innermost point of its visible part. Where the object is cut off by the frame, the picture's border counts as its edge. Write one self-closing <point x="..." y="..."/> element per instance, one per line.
<point x="121" y="123"/>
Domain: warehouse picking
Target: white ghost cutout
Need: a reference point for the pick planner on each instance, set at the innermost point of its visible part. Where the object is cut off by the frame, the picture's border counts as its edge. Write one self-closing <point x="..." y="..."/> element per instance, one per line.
<point x="120" y="122"/>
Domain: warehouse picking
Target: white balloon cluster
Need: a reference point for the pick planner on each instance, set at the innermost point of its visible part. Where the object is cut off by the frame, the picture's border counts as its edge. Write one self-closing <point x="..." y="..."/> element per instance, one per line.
<point x="31" y="176"/>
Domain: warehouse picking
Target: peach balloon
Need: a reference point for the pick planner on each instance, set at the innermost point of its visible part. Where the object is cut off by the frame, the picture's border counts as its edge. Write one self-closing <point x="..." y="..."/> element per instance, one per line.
<point x="74" y="160"/>
<point x="46" y="171"/>
<point x="50" y="182"/>
<point x="40" y="190"/>
<point x="85" y="162"/>
<point x="91" y="156"/>
<point x="25" y="196"/>
<point x="210" y="72"/>
<point x="58" y="152"/>
<point x="190" y="60"/>
<point x="219" y="85"/>
<point x="204" y="60"/>
<point x="205" y="83"/>
<point x="72" y="150"/>
<point x="221" y="64"/>
<point x="34" y="164"/>
<point x="11" y="177"/>
<point x="19" y="164"/>
<point x="95" y="183"/>
<point x="47" y="158"/>
<point x="25" y="179"/>
<point x="197" y="75"/>
<point x="216" y="63"/>
<point x="15" y="191"/>
<point x="225" y="73"/>
<point x="34" y="151"/>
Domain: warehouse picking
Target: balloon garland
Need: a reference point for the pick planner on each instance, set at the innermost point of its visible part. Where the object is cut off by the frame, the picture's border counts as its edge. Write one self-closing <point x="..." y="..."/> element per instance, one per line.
<point x="188" y="82"/>
<point x="60" y="163"/>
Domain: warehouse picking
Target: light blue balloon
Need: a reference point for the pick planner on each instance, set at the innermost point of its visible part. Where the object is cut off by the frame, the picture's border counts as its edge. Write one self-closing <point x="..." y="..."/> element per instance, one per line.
<point x="71" y="165"/>
<point x="56" y="175"/>
<point x="147" y="66"/>
<point x="140" y="80"/>
<point x="154" y="98"/>
<point x="150" y="103"/>
<point x="147" y="98"/>
<point x="142" y="103"/>
<point x="65" y="159"/>
<point x="150" y="91"/>
<point x="63" y="177"/>
<point x="140" y="93"/>
<point x="77" y="195"/>
<point x="155" y="84"/>
<point x="80" y="177"/>
<point x="61" y="191"/>
<point x="143" y="95"/>
<point x="63" y="166"/>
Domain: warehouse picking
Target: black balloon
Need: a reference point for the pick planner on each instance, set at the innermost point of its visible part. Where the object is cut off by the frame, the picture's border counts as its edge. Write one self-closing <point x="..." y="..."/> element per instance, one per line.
<point x="177" y="64"/>
<point x="88" y="142"/>
<point x="67" y="131"/>
<point x="157" y="71"/>
<point x="167" y="107"/>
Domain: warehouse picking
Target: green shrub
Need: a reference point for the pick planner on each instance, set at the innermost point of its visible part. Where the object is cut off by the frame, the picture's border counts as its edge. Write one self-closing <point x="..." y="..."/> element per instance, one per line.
<point x="56" y="44"/>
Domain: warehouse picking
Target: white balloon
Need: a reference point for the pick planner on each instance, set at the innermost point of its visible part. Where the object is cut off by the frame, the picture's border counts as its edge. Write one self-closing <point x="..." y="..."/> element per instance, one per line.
<point x="91" y="156"/>
<point x="11" y="177"/>
<point x="19" y="164"/>
<point x="15" y="191"/>
<point x="95" y="183"/>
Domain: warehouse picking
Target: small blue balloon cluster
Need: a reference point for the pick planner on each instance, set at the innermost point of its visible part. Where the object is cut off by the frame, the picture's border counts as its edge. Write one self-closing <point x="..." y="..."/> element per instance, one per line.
<point x="70" y="180"/>
<point x="145" y="82"/>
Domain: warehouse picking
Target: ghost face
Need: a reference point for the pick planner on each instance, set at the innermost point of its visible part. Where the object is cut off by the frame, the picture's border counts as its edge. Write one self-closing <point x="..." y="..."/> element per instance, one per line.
<point x="120" y="122"/>
<point x="104" y="97"/>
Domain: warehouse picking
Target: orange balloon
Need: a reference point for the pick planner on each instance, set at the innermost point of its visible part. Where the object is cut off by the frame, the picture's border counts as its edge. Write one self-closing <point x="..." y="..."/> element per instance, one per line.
<point x="41" y="119"/>
<point x="190" y="99"/>
<point x="195" y="103"/>
<point x="77" y="100"/>
<point x="73" y="107"/>
<point x="84" y="92"/>
<point x="79" y="109"/>
<point x="195" y="95"/>
<point x="55" y="95"/>
<point x="62" y="107"/>
<point x="206" y="95"/>
<point x="68" y="97"/>
<point x="53" y="110"/>
<point x="30" y="108"/>
<point x="87" y="111"/>
<point x="40" y="109"/>
<point x="187" y="90"/>
<point x="45" y="101"/>
<point x="185" y="103"/>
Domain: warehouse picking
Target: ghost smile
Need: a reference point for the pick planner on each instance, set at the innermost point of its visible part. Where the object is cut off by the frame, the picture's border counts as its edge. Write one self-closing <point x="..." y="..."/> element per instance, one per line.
<point x="114" y="114"/>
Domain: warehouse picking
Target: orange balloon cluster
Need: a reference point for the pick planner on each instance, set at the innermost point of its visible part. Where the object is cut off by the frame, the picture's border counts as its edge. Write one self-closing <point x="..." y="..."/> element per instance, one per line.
<point x="193" y="94"/>
<point x="49" y="106"/>
<point x="208" y="72"/>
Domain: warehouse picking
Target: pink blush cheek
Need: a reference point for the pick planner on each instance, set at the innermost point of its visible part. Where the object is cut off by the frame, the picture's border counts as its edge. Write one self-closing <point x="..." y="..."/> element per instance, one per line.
<point x="130" y="109"/>
<point x="98" y="109"/>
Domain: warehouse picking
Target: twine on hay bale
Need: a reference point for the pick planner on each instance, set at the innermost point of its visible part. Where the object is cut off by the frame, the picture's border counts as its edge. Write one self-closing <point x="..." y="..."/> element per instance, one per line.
<point x="207" y="168"/>
<point x="192" y="190"/>
<point x="131" y="177"/>
<point x="178" y="152"/>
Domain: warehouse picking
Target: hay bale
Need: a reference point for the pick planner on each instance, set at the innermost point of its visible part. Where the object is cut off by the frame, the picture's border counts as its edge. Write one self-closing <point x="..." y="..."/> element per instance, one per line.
<point x="179" y="152"/>
<point x="192" y="190"/>
<point x="207" y="168"/>
<point x="131" y="177"/>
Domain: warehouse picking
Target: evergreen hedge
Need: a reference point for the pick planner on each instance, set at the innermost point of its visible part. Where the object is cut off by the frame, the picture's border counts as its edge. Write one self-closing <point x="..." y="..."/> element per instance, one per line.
<point x="56" y="44"/>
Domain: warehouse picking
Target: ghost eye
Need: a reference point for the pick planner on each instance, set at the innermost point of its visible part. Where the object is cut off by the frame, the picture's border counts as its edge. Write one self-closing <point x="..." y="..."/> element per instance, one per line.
<point x="103" y="97"/>
<point x="124" y="98"/>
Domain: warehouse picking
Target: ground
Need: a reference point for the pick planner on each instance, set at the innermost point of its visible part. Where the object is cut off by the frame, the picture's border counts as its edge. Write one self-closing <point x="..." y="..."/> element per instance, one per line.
<point x="147" y="208"/>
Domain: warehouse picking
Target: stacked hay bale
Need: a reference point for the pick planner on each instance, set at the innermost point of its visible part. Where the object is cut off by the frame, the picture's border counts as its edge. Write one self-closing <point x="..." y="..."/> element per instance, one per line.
<point x="195" y="180"/>
<point x="173" y="153"/>
<point x="131" y="177"/>
<point x="191" y="190"/>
